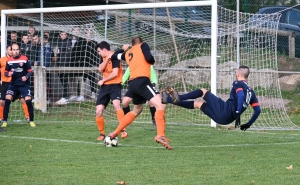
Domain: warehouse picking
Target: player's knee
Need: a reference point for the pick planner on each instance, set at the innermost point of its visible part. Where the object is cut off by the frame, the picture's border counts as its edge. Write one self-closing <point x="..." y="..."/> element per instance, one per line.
<point x="198" y="104"/>
<point x="27" y="98"/>
<point x="8" y="97"/>
<point x="204" y="92"/>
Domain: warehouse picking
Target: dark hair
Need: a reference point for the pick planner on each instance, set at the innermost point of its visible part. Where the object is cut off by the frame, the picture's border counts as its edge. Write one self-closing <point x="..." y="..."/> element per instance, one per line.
<point x="13" y="32"/>
<point x="35" y="35"/>
<point x="8" y="46"/>
<point x="136" y="40"/>
<point x="245" y="71"/>
<point x="25" y="35"/>
<point x="103" y="45"/>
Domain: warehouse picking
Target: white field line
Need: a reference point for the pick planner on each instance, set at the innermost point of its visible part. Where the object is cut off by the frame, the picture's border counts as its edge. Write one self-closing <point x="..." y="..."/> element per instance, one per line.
<point x="139" y="146"/>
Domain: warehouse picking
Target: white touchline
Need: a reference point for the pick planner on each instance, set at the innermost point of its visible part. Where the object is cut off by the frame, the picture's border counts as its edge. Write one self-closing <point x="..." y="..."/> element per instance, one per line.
<point x="139" y="146"/>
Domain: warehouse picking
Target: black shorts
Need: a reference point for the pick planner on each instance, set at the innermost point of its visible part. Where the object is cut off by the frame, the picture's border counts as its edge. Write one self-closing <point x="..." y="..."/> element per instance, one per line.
<point x="107" y="93"/>
<point x="128" y="94"/>
<point x="3" y="91"/>
<point x="142" y="90"/>
<point x="218" y="110"/>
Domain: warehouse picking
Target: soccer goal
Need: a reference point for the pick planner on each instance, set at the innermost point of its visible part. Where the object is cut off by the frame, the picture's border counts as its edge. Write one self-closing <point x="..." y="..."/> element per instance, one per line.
<point x="194" y="43"/>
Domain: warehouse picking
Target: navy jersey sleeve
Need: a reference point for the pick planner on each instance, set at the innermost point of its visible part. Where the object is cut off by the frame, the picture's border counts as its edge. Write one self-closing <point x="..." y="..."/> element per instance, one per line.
<point x="239" y="90"/>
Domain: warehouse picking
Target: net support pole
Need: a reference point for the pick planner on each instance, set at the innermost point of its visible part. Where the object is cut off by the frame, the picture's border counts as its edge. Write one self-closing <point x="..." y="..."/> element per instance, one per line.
<point x="214" y="51"/>
<point x="3" y="34"/>
<point x="40" y="88"/>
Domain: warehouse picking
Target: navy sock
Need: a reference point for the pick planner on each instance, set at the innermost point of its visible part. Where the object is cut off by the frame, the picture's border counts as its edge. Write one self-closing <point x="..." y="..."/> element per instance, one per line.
<point x="191" y="95"/>
<point x="6" y="109"/>
<point x="30" y="109"/>
<point x="186" y="104"/>
<point x="126" y="110"/>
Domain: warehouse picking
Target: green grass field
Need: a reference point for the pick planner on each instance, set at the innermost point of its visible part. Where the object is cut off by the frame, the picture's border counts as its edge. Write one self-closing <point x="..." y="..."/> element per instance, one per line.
<point x="67" y="153"/>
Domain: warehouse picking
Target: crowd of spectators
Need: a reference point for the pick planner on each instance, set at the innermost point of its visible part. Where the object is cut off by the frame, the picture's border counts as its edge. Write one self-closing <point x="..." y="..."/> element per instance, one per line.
<point x="77" y="49"/>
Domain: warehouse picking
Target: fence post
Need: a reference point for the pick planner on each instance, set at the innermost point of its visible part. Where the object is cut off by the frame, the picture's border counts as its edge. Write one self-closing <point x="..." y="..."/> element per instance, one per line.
<point x="40" y="88"/>
<point x="292" y="45"/>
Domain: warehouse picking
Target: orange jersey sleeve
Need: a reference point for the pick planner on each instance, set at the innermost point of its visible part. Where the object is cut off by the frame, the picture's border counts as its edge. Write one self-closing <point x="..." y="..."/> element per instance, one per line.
<point x="108" y="70"/>
<point x="3" y="62"/>
<point x="137" y="63"/>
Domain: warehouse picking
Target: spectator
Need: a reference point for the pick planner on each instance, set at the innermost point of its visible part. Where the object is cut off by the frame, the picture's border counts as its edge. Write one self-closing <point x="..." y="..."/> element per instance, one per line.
<point x="76" y="77"/>
<point x="88" y="58"/>
<point x="25" y="45"/>
<point x="35" y="47"/>
<point x="63" y="59"/>
<point x="46" y="62"/>
<point x="32" y="31"/>
<point x="13" y="38"/>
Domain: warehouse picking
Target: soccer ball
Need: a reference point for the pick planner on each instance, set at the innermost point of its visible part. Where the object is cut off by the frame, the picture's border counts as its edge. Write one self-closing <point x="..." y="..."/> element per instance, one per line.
<point x="108" y="142"/>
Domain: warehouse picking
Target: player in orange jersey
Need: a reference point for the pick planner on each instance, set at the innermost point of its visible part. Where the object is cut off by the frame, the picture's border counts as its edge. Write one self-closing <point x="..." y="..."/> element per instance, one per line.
<point x="139" y="60"/>
<point x="5" y="81"/>
<point x="110" y="86"/>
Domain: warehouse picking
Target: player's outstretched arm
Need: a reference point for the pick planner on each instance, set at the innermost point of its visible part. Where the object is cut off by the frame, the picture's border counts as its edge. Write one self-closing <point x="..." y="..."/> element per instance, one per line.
<point x="118" y="55"/>
<point x="255" y="115"/>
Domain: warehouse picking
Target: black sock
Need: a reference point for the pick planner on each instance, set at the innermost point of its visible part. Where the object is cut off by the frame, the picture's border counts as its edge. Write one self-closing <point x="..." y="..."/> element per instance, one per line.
<point x="30" y="109"/>
<point x="6" y="109"/>
<point x="126" y="110"/>
<point x="152" y="110"/>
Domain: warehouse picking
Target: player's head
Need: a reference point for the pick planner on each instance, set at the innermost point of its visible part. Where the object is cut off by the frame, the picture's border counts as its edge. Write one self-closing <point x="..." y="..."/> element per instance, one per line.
<point x="103" y="49"/>
<point x="8" y="51"/>
<point x="15" y="49"/>
<point x="136" y="40"/>
<point x="243" y="72"/>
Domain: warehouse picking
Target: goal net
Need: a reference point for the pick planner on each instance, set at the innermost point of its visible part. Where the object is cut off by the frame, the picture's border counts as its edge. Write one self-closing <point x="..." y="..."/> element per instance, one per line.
<point x="181" y="38"/>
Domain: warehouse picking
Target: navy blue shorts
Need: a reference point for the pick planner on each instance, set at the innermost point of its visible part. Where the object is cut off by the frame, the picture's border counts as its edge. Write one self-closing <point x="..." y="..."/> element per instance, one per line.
<point x="107" y="93"/>
<point x="16" y="91"/>
<point x="142" y="90"/>
<point x="128" y="94"/>
<point x="218" y="110"/>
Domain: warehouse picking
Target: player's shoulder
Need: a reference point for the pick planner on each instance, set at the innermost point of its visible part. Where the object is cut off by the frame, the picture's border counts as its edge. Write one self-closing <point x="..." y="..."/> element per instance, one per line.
<point x="23" y="57"/>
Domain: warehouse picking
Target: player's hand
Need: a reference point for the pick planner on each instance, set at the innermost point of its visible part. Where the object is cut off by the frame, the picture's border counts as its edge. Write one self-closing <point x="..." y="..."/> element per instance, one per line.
<point x="101" y="82"/>
<point x="125" y="47"/>
<point x="244" y="127"/>
<point x="238" y="120"/>
<point x="24" y="78"/>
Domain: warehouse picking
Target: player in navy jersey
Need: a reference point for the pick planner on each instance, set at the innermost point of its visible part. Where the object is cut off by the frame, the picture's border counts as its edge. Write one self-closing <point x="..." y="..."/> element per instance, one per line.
<point x="20" y="70"/>
<point x="224" y="112"/>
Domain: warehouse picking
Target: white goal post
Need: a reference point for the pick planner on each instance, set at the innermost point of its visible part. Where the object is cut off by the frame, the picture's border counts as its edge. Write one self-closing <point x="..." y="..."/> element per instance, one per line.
<point x="185" y="39"/>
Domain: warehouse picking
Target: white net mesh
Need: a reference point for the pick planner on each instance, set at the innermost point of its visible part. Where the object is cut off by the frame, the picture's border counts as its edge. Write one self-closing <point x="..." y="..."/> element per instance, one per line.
<point x="180" y="41"/>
